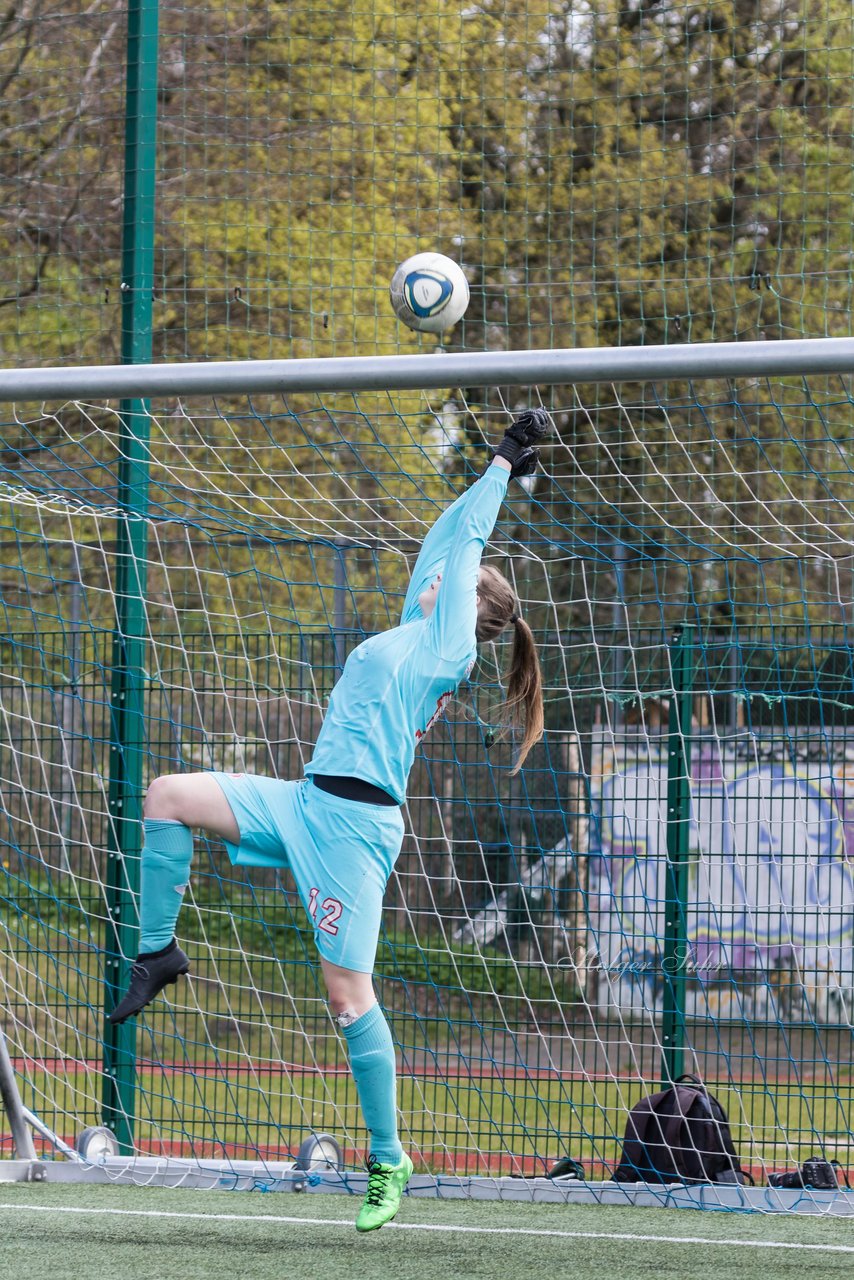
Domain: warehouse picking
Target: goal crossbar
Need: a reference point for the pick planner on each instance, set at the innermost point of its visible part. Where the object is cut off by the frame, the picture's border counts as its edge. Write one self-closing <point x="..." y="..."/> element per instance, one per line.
<point x="424" y="372"/>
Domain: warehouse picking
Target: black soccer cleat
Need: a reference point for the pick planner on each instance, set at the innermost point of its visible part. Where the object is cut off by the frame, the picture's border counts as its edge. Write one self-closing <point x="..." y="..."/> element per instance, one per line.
<point x="149" y="974"/>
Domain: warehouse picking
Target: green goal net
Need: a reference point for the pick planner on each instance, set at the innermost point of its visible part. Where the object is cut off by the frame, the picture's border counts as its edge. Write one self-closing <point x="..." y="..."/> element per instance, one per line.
<point x="608" y="172"/>
<point x="665" y="887"/>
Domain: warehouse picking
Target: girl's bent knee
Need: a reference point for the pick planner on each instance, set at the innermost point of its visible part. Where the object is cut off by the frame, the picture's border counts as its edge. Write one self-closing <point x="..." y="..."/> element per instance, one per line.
<point x="160" y="799"/>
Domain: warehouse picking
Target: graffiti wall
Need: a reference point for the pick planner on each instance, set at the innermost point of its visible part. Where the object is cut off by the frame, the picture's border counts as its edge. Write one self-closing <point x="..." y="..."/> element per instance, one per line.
<point x="770" y="918"/>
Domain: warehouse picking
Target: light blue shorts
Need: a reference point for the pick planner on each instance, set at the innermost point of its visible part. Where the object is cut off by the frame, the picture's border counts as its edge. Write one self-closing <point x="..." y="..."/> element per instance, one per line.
<point x="341" y="853"/>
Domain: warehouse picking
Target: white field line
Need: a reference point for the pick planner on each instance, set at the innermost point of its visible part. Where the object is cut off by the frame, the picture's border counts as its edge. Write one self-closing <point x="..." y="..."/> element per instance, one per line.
<point x="432" y="1226"/>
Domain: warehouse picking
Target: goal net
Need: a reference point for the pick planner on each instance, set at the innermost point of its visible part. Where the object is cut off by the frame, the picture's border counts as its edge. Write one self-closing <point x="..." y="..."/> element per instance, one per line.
<point x="665" y="887"/>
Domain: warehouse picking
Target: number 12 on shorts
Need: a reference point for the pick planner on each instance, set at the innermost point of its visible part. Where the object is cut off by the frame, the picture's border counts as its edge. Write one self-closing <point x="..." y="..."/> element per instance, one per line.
<point x="329" y="911"/>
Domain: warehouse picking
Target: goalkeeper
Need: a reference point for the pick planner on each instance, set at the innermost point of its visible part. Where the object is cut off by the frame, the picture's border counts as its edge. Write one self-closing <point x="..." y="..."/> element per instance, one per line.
<point x="340" y="829"/>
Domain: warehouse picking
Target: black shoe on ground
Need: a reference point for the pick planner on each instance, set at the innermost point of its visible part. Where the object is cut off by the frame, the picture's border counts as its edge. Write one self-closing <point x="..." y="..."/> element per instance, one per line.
<point x="149" y="974"/>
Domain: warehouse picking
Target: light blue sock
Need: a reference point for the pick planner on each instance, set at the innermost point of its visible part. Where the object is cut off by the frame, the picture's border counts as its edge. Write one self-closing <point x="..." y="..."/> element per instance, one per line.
<point x="167" y="852"/>
<point x="373" y="1066"/>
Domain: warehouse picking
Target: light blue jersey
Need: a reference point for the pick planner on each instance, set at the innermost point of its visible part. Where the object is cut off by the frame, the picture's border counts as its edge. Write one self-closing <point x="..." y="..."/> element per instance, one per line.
<point x="395" y="684"/>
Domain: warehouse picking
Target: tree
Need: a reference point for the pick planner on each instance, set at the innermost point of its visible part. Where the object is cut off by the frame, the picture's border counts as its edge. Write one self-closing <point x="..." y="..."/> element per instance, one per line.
<point x="679" y="175"/>
<point x="61" y="85"/>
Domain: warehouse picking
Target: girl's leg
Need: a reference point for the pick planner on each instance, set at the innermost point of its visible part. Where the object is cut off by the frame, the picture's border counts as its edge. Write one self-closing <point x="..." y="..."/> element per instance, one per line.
<point x="196" y="799"/>
<point x="173" y="805"/>
<point x="354" y="1004"/>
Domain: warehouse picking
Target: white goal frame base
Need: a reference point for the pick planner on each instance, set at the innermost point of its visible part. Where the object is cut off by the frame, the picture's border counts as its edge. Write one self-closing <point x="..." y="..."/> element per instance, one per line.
<point x="248" y="1175"/>
<point x="22" y="1171"/>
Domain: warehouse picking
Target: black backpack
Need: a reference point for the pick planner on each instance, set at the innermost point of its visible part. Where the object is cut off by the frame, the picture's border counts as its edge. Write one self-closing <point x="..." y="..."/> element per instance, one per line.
<point x="679" y="1135"/>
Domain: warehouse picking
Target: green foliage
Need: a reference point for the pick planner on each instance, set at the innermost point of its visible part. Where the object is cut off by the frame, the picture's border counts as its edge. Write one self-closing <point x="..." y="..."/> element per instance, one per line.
<point x="608" y="173"/>
<point x="685" y="172"/>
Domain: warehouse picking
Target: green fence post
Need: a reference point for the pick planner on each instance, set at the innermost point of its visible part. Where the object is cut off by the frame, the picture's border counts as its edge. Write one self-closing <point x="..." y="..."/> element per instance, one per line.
<point x="675" y="941"/>
<point x="128" y="673"/>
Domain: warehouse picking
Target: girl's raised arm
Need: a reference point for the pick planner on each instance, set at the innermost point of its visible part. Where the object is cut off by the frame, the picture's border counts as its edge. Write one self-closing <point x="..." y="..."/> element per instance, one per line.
<point x="434" y="551"/>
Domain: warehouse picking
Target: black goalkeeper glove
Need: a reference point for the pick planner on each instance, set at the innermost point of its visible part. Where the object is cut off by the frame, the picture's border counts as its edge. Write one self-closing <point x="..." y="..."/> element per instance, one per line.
<point x="525" y="463"/>
<point x="527" y="430"/>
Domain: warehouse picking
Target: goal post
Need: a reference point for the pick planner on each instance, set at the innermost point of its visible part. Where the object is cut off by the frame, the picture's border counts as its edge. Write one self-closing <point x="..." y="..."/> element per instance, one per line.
<point x="25" y="1165"/>
<point x="666" y="886"/>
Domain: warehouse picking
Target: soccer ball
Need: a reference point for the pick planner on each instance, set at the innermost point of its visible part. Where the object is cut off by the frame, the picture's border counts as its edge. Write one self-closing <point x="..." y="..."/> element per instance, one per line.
<point x="429" y="292"/>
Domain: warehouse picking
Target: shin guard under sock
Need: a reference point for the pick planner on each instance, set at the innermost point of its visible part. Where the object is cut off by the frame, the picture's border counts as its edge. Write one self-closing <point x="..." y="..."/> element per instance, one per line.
<point x="373" y="1065"/>
<point x="167" y="852"/>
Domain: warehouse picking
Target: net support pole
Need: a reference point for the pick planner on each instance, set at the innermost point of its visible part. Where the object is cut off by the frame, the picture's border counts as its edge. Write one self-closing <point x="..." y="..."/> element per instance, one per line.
<point x="675" y="951"/>
<point x="127" y="709"/>
<point x="26" y="1168"/>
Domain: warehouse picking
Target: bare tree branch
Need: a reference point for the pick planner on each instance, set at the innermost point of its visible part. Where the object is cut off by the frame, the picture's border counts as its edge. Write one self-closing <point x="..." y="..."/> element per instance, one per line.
<point x="70" y="129"/>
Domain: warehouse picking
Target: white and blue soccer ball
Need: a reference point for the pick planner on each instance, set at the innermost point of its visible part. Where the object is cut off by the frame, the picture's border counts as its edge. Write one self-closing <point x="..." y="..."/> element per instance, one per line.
<point x="429" y="292"/>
